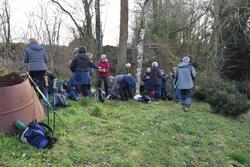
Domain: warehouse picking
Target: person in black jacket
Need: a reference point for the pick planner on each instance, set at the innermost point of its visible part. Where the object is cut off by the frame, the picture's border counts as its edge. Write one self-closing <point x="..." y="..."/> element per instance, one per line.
<point x="80" y="67"/>
<point x="156" y="80"/>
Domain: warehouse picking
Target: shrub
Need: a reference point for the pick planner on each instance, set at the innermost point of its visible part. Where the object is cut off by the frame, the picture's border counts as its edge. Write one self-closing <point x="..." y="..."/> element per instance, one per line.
<point x="223" y="96"/>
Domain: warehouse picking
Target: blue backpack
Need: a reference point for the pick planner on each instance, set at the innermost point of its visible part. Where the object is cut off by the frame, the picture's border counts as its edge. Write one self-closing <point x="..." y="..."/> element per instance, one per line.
<point x="39" y="135"/>
<point x="59" y="101"/>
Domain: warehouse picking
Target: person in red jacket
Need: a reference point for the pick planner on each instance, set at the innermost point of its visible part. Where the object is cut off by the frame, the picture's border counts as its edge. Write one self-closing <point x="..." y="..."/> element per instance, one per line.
<point x="103" y="73"/>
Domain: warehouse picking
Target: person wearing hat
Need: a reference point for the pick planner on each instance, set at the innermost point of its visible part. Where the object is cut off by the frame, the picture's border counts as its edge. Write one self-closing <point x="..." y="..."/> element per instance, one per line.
<point x="103" y="73"/>
<point x="36" y="58"/>
<point x="185" y="76"/>
<point x="80" y="68"/>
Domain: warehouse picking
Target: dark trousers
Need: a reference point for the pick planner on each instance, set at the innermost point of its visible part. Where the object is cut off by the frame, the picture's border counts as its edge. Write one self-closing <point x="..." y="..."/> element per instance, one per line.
<point x="85" y="89"/>
<point x="186" y="97"/>
<point x="163" y="94"/>
<point x="38" y="77"/>
<point x="124" y="91"/>
<point x="106" y="84"/>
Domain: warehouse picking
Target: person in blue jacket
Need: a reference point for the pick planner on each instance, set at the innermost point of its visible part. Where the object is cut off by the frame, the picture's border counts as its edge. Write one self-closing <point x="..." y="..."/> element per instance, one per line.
<point x="185" y="76"/>
<point x="80" y="67"/>
<point x="36" y="58"/>
<point x="164" y="85"/>
<point x="147" y="82"/>
<point x="125" y="84"/>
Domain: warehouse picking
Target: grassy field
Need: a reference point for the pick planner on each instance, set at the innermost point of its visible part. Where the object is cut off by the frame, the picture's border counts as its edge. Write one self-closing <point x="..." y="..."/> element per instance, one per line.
<point x="136" y="134"/>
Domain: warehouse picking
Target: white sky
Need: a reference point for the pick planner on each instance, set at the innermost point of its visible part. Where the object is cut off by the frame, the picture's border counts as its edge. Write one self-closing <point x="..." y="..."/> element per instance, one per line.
<point x="110" y="15"/>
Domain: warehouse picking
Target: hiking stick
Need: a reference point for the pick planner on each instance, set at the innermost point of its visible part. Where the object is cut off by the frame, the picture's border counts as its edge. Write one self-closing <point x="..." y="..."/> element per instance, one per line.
<point x="40" y="92"/>
<point x="47" y="95"/>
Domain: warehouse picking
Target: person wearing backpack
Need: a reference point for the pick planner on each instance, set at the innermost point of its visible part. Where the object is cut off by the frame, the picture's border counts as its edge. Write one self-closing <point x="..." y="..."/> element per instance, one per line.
<point x="36" y="58"/>
<point x="103" y="73"/>
<point x="80" y="68"/>
<point x="185" y="76"/>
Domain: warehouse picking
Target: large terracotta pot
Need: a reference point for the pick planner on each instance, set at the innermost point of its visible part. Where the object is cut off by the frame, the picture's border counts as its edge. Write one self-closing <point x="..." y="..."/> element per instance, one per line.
<point x="18" y="101"/>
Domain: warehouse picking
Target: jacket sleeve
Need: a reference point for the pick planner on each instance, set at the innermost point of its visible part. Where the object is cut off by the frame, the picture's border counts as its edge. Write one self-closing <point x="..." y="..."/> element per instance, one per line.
<point x="73" y="65"/>
<point x="193" y="72"/>
<point x="144" y="77"/>
<point x="92" y="65"/>
<point x="26" y="56"/>
<point x="108" y="67"/>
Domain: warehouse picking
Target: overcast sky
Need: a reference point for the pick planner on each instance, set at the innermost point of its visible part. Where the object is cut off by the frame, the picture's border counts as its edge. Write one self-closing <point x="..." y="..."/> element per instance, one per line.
<point x="110" y="18"/>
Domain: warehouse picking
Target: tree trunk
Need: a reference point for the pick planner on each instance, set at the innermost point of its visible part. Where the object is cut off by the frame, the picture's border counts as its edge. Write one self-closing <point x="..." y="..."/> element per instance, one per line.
<point x="98" y="30"/>
<point x="122" y="52"/>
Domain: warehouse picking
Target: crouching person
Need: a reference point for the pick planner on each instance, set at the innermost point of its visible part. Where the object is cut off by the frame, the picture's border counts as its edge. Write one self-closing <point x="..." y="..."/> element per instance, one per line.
<point x="185" y="76"/>
<point x="124" y="84"/>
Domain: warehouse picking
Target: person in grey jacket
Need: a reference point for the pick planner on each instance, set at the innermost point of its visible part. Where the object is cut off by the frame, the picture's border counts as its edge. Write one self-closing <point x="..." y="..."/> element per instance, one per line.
<point x="36" y="58"/>
<point x="185" y="76"/>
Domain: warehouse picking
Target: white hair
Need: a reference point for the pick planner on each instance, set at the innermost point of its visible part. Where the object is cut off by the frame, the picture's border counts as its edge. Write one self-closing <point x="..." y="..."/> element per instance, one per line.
<point x="186" y="59"/>
<point x="148" y="69"/>
<point x="155" y="64"/>
<point x="103" y="57"/>
<point x="128" y="65"/>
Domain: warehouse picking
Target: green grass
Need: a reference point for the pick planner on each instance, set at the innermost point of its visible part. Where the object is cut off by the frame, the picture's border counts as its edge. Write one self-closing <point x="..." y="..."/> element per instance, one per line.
<point x="136" y="134"/>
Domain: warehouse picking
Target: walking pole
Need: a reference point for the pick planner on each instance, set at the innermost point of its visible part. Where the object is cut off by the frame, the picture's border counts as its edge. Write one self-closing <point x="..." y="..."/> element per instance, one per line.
<point x="40" y="92"/>
<point x="47" y="95"/>
<point x="54" y="103"/>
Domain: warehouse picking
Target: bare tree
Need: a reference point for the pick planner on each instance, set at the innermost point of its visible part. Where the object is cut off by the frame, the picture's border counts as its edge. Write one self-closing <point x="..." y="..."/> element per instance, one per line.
<point x="98" y="29"/>
<point x="46" y="28"/>
<point x="5" y="24"/>
<point x="84" y="26"/>
<point x="123" y="38"/>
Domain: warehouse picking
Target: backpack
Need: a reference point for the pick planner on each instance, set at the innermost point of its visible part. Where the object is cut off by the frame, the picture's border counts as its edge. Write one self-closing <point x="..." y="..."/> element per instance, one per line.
<point x="100" y="95"/>
<point x="39" y="135"/>
<point x="145" y="99"/>
<point x="59" y="101"/>
<point x="70" y="90"/>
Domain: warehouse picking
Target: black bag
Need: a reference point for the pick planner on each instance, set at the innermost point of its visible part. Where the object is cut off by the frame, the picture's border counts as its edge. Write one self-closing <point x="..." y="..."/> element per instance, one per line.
<point x="100" y="95"/>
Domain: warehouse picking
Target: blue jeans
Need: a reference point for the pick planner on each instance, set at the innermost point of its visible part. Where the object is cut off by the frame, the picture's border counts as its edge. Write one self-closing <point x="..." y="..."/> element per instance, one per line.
<point x="186" y="97"/>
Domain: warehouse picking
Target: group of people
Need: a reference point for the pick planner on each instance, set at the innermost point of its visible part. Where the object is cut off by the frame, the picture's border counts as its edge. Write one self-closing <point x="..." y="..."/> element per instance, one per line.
<point x="82" y="67"/>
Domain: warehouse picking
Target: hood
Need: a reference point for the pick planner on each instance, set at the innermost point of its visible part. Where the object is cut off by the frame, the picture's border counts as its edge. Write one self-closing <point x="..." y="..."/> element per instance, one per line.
<point x="183" y="64"/>
<point x="83" y="56"/>
<point x="35" y="46"/>
<point x="154" y="69"/>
